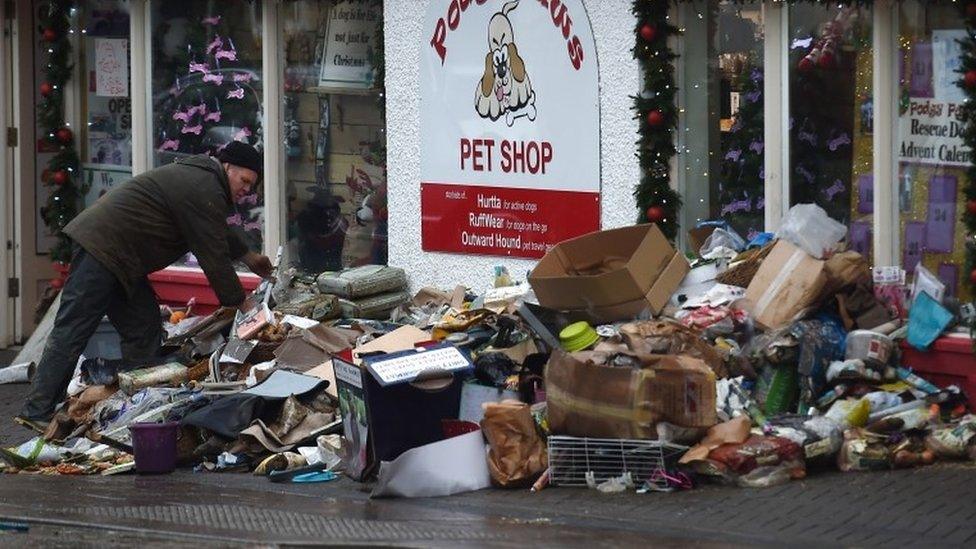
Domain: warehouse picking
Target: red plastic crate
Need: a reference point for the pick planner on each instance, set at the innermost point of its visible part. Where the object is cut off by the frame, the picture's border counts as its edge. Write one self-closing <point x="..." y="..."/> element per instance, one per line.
<point x="176" y="286"/>
<point x="949" y="361"/>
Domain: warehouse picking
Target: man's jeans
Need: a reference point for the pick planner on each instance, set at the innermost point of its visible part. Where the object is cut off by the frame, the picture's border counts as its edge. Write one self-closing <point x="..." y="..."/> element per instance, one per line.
<point x="90" y="293"/>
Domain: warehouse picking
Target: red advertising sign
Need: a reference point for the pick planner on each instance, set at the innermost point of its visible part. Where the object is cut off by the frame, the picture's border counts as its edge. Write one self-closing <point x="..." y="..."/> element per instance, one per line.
<point x="502" y="221"/>
<point x="510" y="127"/>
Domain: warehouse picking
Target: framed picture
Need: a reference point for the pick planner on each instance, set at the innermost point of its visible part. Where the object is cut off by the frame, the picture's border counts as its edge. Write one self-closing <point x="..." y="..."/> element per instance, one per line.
<point x="349" y="33"/>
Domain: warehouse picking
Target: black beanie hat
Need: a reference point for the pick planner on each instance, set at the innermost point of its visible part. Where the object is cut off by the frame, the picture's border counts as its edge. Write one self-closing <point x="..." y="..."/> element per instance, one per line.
<point x="243" y="155"/>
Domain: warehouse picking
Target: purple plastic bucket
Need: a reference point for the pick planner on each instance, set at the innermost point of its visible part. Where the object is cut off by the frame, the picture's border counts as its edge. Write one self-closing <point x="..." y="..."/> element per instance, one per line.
<point x="154" y="446"/>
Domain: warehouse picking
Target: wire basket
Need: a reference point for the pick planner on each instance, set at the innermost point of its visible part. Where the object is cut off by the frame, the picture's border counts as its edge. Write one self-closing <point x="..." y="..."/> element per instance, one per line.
<point x="573" y="460"/>
<point x="746" y="266"/>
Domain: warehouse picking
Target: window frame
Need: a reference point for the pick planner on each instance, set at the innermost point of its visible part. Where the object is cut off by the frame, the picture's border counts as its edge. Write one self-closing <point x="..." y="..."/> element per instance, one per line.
<point x="776" y="131"/>
<point x="272" y="71"/>
<point x="776" y="93"/>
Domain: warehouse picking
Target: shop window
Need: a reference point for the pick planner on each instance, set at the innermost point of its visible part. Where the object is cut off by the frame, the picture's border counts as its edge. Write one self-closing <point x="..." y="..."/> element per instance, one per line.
<point x="335" y="160"/>
<point x="206" y="89"/>
<point x="932" y="158"/>
<point x="831" y="115"/>
<point x="106" y="144"/>
<point x="96" y="105"/>
<point x="721" y="132"/>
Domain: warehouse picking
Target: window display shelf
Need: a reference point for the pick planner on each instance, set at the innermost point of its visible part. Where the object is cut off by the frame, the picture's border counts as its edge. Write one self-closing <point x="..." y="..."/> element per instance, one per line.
<point x="341" y="91"/>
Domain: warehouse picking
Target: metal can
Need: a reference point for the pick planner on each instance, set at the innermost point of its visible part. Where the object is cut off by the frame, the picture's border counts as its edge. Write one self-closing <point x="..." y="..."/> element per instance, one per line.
<point x="873" y="348"/>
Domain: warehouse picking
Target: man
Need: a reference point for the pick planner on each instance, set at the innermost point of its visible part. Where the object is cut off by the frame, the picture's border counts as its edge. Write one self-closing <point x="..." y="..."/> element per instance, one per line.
<point x="142" y="226"/>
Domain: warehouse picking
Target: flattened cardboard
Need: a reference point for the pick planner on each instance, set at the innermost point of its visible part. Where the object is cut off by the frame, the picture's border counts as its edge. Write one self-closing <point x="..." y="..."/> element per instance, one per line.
<point x="734" y="431"/>
<point x="330" y="339"/>
<point x="608" y="269"/>
<point x="326" y="371"/>
<point x="296" y="353"/>
<point x="788" y="281"/>
<point x="400" y="339"/>
<point x="431" y="296"/>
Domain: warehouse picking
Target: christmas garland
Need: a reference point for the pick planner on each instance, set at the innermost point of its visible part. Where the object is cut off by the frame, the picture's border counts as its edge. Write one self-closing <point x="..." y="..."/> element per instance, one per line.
<point x="62" y="175"/>
<point x="657" y="201"/>
<point x="968" y="118"/>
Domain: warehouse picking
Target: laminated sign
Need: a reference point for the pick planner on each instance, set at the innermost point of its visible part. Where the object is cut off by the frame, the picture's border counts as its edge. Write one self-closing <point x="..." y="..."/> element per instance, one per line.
<point x="406" y="366"/>
<point x="510" y="126"/>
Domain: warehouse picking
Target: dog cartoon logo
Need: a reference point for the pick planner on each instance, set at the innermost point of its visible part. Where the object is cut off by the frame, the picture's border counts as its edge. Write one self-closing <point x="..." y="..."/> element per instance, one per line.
<point x="505" y="88"/>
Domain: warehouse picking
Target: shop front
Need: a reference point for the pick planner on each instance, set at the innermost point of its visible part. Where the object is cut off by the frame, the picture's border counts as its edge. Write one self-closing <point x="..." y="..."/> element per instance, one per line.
<point x="390" y="136"/>
<point x="137" y="85"/>
<point x="706" y="110"/>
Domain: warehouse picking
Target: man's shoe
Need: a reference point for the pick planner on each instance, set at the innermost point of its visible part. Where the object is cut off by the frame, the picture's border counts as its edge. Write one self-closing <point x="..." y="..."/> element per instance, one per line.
<point x="39" y="425"/>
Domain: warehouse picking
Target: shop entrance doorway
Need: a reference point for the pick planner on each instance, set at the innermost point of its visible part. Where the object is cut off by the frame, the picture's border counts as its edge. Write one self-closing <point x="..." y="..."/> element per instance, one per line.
<point x="9" y="285"/>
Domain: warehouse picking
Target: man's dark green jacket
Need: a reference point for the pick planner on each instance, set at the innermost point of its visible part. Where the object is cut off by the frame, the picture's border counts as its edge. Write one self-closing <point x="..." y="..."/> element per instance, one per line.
<point x="155" y="218"/>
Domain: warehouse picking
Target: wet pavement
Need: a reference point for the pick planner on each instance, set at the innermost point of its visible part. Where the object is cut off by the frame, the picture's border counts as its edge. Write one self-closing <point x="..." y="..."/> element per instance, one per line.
<point x="911" y="507"/>
<point x="186" y="508"/>
<point x="83" y="537"/>
<point x="927" y="506"/>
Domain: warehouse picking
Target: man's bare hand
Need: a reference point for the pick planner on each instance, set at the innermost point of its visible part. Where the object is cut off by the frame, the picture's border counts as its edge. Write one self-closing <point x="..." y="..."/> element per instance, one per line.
<point x="259" y="264"/>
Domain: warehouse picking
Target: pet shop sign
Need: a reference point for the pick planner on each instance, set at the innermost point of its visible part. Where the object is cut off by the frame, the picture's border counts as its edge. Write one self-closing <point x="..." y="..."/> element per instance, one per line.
<point x="510" y="126"/>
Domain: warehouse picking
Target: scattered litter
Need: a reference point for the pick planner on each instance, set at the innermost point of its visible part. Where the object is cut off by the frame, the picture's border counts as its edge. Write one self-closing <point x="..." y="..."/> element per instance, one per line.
<point x="770" y="360"/>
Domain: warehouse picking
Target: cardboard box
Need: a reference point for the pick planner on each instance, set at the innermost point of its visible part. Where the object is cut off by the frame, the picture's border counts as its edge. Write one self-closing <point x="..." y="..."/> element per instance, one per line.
<point x="698" y="236"/>
<point x="389" y="404"/>
<point x="787" y="283"/>
<point x="586" y="399"/>
<point x="611" y="275"/>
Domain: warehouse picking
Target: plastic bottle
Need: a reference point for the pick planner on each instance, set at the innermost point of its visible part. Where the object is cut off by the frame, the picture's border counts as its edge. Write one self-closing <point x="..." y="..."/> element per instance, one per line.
<point x="502" y="278"/>
<point x="882" y="400"/>
<point x="782" y="390"/>
<point x="909" y="377"/>
<point x="166" y="375"/>
<point x="831" y="396"/>
<point x="897" y="410"/>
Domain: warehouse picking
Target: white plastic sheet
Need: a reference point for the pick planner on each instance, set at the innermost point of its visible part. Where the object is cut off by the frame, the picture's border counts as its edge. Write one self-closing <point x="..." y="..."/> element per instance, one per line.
<point x="809" y="227"/>
<point x="452" y="466"/>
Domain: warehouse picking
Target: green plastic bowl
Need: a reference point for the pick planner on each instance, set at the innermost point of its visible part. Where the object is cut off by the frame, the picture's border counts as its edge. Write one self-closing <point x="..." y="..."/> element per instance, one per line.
<point x="578" y="336"/>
